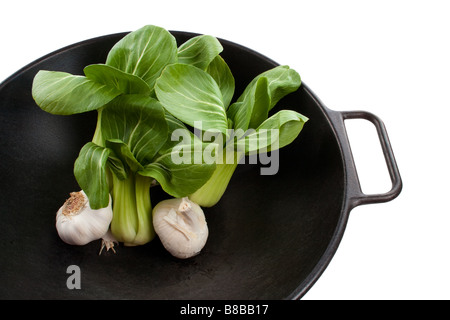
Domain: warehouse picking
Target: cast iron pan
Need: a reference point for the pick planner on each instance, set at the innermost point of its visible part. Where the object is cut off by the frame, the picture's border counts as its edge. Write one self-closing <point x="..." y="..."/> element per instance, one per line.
<point x="271" y="237"/>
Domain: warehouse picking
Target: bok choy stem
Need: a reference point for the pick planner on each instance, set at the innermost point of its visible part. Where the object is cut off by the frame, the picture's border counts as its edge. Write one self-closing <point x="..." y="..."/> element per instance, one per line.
<point x="132" y="223"/>
<point x="98" y="139"/>
<point x="212" y="191"/>
<point x="145" y="232"/>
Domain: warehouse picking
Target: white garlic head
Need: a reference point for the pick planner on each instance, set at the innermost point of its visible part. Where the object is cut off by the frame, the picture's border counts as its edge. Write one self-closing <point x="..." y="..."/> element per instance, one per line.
<point x="181" y="226"/>
<point x="78" y="224"/>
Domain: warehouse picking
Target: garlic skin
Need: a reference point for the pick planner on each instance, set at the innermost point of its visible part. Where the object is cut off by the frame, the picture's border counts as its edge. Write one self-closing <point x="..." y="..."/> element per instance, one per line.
<point x="78" y="224"/>
<point x="181" y="226"/>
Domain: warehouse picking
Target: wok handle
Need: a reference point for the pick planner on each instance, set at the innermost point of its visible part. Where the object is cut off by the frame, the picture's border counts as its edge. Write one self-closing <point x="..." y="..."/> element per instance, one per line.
<point x="357" y="197"/>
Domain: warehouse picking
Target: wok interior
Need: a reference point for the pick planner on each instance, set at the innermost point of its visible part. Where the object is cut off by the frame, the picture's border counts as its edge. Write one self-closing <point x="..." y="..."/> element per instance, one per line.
<point x="266" y="234"/>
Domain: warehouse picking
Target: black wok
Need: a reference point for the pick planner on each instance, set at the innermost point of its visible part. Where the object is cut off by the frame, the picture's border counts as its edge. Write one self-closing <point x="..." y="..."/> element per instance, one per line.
<point x="271" y="237"/>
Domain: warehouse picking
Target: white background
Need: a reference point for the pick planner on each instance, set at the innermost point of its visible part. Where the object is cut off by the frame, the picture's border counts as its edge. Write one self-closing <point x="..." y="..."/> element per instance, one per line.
<point x="391" y="58"/>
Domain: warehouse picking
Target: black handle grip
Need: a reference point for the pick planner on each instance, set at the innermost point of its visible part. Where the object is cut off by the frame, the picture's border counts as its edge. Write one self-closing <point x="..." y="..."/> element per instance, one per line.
<point x="356" y="196"/>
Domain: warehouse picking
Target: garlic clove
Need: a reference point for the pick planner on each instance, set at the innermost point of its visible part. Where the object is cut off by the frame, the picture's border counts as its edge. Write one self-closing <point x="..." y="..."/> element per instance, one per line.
<point x="181" y="226"/>
<point x="78" y="224"/>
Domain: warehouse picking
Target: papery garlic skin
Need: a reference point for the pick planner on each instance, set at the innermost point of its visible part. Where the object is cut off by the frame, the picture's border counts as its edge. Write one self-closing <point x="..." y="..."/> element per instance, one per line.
<point x="181" y="226"/>
<point x="78" y="224"/>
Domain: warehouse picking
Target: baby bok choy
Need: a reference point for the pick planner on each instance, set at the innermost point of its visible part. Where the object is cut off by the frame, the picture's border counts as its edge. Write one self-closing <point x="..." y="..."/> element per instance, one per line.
<point x="135" y="130"/>
<point x="147" y="94"/>
<point x="201" y="98"/>
<point x="131" y="145"/>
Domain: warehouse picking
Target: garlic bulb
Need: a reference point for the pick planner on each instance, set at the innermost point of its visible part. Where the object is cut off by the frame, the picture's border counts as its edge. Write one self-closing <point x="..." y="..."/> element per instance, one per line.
<point x="181" y="227"/>
<point x="78" y="224"/>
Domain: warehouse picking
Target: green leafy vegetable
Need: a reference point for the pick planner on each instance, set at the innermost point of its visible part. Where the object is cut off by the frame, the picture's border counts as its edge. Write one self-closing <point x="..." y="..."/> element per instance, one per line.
<point x="65" y="94"/>
<point x="180" y="179"/>
<point x="221" y="73"/>
<point x="131" y="143"/>
<point x="193" y="96"/>
<point x="254" y="108"/>
<point x="115" y="78"/>
<point x="137" y="120"/>
<point x="91" y="173"/>
<point x="149" y="95"/>
<point x="254" y="131"/>
<point x="199" y="51"/>
<point x="274" y="133"/>
<point x="282" y="80"/>
<point x="134" y="129"/>
<point x="144" y="53"/>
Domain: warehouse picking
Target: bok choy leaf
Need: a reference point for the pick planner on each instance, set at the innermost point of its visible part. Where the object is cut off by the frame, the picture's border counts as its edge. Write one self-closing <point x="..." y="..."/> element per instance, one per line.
<point x="64" y="94"/>
<point x="144" y="53"/>
<point x="221" y="73"/>
<point x="193" y="96"/>
<point x="139" y="122"/>
<point x="91" y="173"/>
<point x="115" y="78"/>
<point x="199" y="51"/>
<point x="282" y="80"/>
